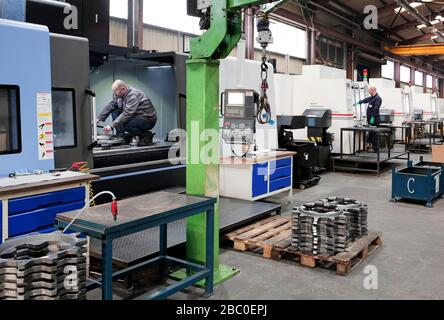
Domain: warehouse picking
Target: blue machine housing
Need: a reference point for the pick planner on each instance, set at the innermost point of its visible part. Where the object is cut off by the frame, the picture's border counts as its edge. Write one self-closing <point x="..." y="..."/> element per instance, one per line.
<point x="417" y="183"/>
<point x="25" y="62"/>
<point x="13" y="9"/>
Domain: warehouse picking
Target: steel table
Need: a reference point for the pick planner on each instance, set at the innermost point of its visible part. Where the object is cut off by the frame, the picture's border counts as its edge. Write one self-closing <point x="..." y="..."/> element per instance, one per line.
<point x="430" y="137"/>
<point x="360" y="156"/>
<point x="142" y="213"/>
<point x="138" y="247"/>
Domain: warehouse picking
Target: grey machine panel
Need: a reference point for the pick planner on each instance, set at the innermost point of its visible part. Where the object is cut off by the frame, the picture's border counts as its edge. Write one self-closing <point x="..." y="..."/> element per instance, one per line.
<point x="70" y="70"/>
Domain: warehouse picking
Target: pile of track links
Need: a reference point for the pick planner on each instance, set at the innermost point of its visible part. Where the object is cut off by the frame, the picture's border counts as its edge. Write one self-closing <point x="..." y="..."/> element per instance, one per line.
<point x="43" y="267"/>
<point x="328" y="226"/>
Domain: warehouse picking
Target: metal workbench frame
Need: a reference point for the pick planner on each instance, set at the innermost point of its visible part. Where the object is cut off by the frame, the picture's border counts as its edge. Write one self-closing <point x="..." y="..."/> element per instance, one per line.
<point x="415" y="144"/>
<point x="361" y="132"/>
<point x="107" y="235"/>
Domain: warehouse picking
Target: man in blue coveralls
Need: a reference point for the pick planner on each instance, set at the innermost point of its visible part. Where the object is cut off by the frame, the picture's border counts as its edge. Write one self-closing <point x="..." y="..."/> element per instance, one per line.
<point x="373" y="116"/>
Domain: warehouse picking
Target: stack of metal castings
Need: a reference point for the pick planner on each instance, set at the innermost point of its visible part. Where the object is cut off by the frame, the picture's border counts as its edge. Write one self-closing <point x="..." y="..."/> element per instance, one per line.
<point x="320" y="229"/>
<point x="43" y="267"/>
<point x="356" y="213"/>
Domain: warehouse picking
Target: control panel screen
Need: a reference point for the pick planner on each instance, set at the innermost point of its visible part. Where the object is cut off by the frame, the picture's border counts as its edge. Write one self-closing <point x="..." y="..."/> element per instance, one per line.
<point x="236" y="99"/>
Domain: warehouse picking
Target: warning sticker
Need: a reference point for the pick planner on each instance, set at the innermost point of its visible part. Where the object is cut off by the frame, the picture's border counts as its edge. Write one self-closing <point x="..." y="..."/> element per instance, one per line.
<point x="45" y="126"/>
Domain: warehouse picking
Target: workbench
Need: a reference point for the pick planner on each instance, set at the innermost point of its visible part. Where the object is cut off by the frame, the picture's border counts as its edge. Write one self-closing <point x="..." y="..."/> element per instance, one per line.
<point x="258" y="177"/>
<point x="141" y="246"/>
<point x="433" y="135"/>
<point x="360" y="157"/>
<point x="139" y="214"/>
<point x="30" y="203"/>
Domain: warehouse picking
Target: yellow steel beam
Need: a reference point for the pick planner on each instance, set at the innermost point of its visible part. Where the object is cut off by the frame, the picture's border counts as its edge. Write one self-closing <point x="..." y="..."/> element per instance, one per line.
<point x="418" y="50"/>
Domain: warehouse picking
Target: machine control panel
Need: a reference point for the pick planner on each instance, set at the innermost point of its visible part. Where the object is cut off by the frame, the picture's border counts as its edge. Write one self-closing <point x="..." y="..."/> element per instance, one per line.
<point x="418" y="115"/>
<point x="240" y="107"/>
<point x="387" y="116"/>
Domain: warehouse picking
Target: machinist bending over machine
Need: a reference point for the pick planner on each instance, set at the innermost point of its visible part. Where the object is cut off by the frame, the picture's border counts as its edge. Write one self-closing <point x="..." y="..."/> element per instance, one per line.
<point x="132" y="112"/>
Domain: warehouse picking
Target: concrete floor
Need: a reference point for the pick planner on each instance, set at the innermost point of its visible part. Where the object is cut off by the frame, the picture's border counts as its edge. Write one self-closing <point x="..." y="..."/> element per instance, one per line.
<point x="409" y="264"/>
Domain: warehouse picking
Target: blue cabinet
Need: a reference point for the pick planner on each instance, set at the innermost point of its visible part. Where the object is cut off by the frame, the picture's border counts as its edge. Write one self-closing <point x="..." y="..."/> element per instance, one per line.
<point x="39" y="219"/>
<point x="253" y="179"/>
<point x="36" y="213"/>
<point x="272" y="176"/>
<point x="46" y="200"/>
<point x="260" y="179"/>
<point x="280" y="184"/>
<point x="280" y="173"/>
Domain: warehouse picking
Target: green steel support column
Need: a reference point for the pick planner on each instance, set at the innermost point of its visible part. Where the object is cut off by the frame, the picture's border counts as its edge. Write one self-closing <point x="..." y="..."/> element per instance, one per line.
<point x="203" y="152"/>
<point x="203" y="142"/>
<point x="202" y="167"/>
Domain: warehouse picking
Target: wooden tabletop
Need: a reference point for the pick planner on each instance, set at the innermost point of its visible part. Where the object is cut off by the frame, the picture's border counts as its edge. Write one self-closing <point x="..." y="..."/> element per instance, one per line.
<point x="269" y="156"/>
<point x="135" y="210"/>
<point x="38" y="186"/>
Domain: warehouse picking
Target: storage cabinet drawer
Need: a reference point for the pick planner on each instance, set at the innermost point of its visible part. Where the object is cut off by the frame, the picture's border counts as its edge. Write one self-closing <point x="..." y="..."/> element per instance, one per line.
<point x="280" y="173"/>
<point x="46" y="200"/>
<point x="280" y="163"/>
<point x="260" y="179"/>
<point x="38" y="219"/>
<point x="280" y="184"/>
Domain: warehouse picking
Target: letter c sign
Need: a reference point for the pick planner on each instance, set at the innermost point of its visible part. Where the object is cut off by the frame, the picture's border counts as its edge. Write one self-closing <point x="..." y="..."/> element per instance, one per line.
<point x="408" y="185"/>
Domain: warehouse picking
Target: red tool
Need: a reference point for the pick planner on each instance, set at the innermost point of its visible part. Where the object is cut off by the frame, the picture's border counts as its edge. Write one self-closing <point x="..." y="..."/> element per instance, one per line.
<point x="78" y="166"/>
<point x="114" y="210"/>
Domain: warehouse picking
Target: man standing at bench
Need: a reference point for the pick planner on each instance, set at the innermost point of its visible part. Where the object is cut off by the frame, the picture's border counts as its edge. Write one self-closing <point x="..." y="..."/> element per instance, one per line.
<point x="373" y="116"/>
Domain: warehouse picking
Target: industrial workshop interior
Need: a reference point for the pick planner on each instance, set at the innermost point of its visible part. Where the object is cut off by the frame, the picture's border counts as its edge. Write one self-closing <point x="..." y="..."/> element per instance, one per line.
<point x="221" y="150"/>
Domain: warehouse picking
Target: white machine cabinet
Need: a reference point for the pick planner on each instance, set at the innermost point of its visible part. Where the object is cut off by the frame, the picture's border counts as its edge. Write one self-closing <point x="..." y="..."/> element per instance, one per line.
<point x="257" y="178"/>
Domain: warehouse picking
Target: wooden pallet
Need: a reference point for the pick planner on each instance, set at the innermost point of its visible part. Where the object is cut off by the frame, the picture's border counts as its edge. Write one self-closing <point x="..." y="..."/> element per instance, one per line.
<point x="272" y="237"/>
<point x="261" y="235"/>
<point x="343" y="262"/>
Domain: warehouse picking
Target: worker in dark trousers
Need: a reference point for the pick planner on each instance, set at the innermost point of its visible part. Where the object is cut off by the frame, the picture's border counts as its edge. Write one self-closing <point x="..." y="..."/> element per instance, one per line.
<point x="373" y="116"/>
<point x="132" y="112"/>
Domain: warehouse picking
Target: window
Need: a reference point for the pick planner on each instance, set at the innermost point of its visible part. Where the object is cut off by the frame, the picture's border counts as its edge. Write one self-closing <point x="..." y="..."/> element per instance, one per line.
<point x="119" y="9"/>
<point x="388" y="70"/>
<point x="405" y="74"/>
<point x="333" y="52"/>
<point x="63" y="108"/>
<point x="429" y="81"/>
<point x="287" y="40"/>
<point x="10" y="134"/>
<point x="418" y="78"/>
<point x="170" y="14"/>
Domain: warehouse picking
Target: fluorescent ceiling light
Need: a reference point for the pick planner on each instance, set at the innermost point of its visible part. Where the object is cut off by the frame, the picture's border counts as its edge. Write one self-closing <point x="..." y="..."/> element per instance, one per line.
<point x="435" y="22"/>
<point x="421" y="26"/>
<point x="434" y="37"/>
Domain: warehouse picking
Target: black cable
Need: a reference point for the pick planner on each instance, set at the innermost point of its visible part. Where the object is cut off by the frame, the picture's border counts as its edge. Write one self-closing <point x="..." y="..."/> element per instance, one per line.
<point x="238" y="156"/>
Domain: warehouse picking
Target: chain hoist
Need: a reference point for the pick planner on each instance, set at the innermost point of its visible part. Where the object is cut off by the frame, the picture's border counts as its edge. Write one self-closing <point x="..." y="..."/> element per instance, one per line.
<point x="264" y="38"/>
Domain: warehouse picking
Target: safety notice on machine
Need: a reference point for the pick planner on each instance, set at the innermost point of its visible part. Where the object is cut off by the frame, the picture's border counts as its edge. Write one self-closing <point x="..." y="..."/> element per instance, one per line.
<point x="45" y="126"/>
